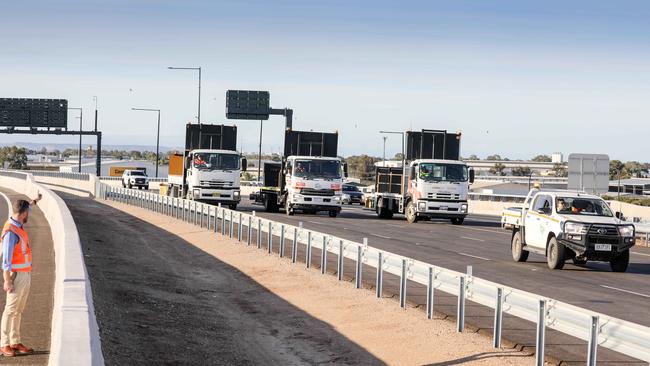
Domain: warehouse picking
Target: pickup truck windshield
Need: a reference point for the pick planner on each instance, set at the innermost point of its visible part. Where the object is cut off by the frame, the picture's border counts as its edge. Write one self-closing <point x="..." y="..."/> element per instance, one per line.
<point x="582" y="206"/>
<point x="216" y="161"/>
<point x="317" y="169"/>
<point x="435" y="172"/>
<point x="138" y="172"/>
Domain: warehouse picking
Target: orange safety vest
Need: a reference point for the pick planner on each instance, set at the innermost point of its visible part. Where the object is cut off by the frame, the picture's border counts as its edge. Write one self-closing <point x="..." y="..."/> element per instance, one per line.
<point x="22" y="259"/>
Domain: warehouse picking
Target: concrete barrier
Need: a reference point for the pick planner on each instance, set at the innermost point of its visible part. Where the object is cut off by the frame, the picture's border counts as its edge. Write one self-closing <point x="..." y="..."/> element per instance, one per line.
<point x="75" y="334"/>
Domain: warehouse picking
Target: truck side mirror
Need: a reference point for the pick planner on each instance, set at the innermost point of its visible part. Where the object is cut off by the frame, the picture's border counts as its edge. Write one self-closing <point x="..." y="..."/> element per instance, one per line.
<point x="244" y="164"/>
<point x="187" y="162"/>
<point x="345" y="170"/>
<point x="472" y="175"/>
<point x="412" y="173"/>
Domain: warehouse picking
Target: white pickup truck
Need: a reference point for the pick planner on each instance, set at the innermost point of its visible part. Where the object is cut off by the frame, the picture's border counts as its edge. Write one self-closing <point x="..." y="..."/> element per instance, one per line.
<point x="564" y="225"/>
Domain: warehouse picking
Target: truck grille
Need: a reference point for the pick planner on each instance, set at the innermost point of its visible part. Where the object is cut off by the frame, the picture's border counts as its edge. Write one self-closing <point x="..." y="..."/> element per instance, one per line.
<point x="215" y="183"/>
<point x="603" y="230"/>
<point x="317" y="192"/>
<point x="443" y="196"/>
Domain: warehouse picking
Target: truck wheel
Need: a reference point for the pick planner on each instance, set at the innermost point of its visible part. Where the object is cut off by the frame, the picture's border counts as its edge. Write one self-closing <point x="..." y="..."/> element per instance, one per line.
<point x="232" y="206"/>
<point x="555" y="255"/>
<point x="270" y="205"/>
<point x="411" y="212"/>
<point x="334" y="213"/>
<point x="620" y="263"/>
<point x="517" y="247"/>
<point x="457" y="220"/>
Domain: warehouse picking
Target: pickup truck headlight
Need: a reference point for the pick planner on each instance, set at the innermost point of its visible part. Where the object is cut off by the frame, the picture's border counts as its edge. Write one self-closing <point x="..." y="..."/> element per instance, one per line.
<point x="575" y="228"/>
<point x="626" y="230"/>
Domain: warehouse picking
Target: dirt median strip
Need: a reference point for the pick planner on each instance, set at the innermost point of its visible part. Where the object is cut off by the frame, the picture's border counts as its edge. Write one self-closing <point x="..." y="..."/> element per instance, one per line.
<point x="395" y="336"/>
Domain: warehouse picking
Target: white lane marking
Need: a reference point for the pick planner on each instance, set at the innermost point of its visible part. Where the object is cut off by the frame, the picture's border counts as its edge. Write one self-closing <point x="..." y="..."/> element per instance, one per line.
<point x="393" y="225"/>
<point x="8" y="205"/>
<point x="622" y="290"/>
<point x="467" y="237"/>
<point x="380" y="236"/>
<point x="314" y="222"/>
<point x="644" y="254"/>
<point x="474" y="256"/>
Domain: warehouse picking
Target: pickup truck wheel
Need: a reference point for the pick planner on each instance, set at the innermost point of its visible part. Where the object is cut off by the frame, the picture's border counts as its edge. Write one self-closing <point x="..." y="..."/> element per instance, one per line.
<point x="517" y="247"/>
<point x="123" y="185"/>
<point x="411" y="212"/>
<point x="620" y="263"/>
<point x="457" y="220"/>
<point x="555" y="255"/>
<point x="130" y="186"/>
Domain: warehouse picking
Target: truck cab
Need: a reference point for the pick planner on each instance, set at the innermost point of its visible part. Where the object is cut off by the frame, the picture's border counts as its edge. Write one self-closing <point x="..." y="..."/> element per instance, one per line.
<point x="564" y="225"/>
<point x="438" y="188"/>
<point x="214" y="175"/>
<point x="313" y="184"/>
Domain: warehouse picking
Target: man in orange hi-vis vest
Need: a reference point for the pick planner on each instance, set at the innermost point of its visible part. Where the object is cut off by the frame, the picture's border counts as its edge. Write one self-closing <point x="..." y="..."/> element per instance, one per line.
<point x="17" y="275"/>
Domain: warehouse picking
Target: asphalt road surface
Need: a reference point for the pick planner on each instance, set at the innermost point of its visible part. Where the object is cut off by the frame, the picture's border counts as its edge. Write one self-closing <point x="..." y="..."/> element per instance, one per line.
<point x="481" y="243"/>
<point x="160" y="300"/>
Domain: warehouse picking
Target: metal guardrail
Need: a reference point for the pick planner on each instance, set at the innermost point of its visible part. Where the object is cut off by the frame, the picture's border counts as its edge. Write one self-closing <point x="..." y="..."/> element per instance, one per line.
<point x="496" y="197"/>
<point x="64" y="175"/>
<point x="594" y="328"/>
<point x="151" y="179"/>
<point x="522" y="179"/>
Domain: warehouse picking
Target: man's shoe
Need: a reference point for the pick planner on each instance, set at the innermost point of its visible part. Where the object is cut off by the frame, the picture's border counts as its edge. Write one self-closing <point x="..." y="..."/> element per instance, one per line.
<point x="20" y="348"/>
<point x="7" y="351"/>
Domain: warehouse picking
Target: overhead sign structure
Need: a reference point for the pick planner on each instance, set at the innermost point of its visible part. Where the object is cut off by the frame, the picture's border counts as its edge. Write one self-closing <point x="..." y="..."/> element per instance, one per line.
<point x="34" y="113"/>
<point x="589" y="173"/>
<point x="247" y="104"/>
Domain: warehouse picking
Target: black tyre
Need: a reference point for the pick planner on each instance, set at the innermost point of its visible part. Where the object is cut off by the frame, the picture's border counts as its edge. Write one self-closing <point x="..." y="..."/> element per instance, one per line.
<point x="555" y="254"/>
<point x="333" y="213"/>
<point x="270" y="204"/>
<point x="411" y="212"/>
<point x="517" y="248"/>
<point x="383" y="212"/>
<point x="232" y="206"/>
<point x="130" y="186"/>
<point x="123" y="185"/>
<point x="458" y="220"/>
<point x="620" y="263"/>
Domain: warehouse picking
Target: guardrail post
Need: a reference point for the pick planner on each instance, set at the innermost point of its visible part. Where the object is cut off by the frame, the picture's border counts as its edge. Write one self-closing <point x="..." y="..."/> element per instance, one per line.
<point x="269" y="245"/>
<point x="358" y="273"/>
<point x="460" y="313"/>
<point x="380" y="275"/>
<point x="294" y="244"/>
<point x="232" y="225"/>
<point x="250" y="229"/>
<point x="201" y="215"/>
<point x="281" y="250"/>
<point x="239" y="227"/>
<point x="593" y="341"/>
<point x="541" y="333"/>
<point x="498" y="319"/>
<point x="339" y="267"/>
<point x="430" y="294"/>
<point x="323" y="256"/>
<point x="308" y="254"/>
<point x="402" y="286"/>
<point x="259" y="233"/>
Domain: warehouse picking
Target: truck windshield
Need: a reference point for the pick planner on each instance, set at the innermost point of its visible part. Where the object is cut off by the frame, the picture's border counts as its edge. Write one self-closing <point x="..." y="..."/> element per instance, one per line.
<point x="437" y="172"/>
<point x="317" y="169"/>
<point x="582" y="206"/>
<point x="216" y="161"/>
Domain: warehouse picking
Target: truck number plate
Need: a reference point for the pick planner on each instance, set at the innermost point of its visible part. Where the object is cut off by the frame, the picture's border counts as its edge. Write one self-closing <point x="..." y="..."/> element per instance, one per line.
<point x="444" y="208"/>
<point x="603" y="247"/>
<point x="216" y="195"/>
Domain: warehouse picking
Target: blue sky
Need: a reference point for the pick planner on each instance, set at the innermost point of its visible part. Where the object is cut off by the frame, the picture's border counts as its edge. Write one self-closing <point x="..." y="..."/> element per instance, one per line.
<point x="517" y="78"/>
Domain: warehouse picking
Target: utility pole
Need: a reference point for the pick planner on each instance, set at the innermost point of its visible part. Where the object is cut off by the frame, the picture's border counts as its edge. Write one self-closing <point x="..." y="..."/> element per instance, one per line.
<point x="385" y="149"/>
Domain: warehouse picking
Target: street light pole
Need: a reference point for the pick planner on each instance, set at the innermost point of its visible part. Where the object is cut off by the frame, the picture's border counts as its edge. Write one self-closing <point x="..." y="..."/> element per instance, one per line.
<point x="403" y="152"/>
<point x="385" y="150"/>
<point x="259" y="156"/>
<point x="198" y="115"/>
<point x="157" y="133"/>
<point x="80" y="129"/>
